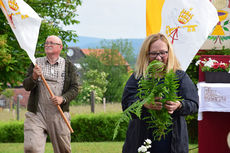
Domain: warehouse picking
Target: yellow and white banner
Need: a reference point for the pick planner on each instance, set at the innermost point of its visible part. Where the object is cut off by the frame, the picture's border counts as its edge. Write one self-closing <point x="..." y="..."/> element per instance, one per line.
<point x="187" y="24"/>
<point x="24" y="22"/>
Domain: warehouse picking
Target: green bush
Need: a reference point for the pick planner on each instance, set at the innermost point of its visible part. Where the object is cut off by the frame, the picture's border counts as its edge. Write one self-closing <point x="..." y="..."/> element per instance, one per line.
<point x="192" y="128"/>
<point x="11" y="132"/>
<point x="97" y="128"/>
<point x="93" y="81"/>
<point x="87" y="128"/>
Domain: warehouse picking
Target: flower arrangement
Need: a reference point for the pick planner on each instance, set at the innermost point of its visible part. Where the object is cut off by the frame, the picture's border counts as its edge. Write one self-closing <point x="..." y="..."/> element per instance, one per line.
<point x="144" y="148"/>
<point x="211" y="65"/>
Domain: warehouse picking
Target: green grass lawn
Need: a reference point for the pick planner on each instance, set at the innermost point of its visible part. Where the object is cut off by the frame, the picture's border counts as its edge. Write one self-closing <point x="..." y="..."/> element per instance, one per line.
<point x="6" y="115"/>
<point x="83" y="147"/>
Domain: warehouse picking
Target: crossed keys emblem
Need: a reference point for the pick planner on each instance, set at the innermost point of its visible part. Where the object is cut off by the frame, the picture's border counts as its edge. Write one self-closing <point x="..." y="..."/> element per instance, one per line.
<point x="184" y="17"/>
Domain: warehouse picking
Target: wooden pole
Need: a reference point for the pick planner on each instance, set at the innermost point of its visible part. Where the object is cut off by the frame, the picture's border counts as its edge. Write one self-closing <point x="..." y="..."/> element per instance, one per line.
<point x="92" y="100"/>
<point x="59" y="108"/>
<point x="18" y="107"/>
<point x="104" y="103"/>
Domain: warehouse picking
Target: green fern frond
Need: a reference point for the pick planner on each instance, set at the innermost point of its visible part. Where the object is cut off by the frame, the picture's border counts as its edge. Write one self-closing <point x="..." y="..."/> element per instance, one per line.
<point x="150" y="87"/>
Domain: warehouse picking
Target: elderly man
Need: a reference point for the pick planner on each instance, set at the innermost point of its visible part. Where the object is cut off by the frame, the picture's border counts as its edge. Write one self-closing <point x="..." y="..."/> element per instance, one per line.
<point x="43" y="116"/>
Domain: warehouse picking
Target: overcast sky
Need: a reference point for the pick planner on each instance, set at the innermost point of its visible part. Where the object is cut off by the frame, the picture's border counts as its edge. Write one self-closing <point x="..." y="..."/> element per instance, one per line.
<point x="111" y="19"/>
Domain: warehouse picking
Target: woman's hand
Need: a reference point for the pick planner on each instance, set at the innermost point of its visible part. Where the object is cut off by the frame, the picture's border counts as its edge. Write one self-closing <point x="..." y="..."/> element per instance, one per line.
<point x="156" y="106"/>
<point x="172" y="106"/>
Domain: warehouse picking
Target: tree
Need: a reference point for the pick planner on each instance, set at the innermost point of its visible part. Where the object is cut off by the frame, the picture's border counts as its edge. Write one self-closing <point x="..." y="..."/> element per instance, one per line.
<point x="91" y="62"/>
<point x="123" y="46"/>
<point x="117" y="78"/>
<point x="93" y="81"/>
<point x="115" y="66"/>
<point x="7" y="65"/>
<point x="56" y="14"/>
<point x="110" y="62"/>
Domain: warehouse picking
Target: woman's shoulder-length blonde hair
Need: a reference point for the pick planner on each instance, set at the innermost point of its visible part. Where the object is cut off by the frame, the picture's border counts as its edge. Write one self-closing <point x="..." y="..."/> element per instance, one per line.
<point x="143" y="57"/>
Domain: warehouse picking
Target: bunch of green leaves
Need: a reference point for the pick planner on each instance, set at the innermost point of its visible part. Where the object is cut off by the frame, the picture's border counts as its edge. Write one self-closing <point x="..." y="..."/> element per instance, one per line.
<point x="151" y="87"/>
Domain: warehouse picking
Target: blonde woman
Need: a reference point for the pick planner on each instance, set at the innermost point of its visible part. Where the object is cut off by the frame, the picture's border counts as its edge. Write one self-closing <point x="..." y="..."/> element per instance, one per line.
<point x="158" y="47"/>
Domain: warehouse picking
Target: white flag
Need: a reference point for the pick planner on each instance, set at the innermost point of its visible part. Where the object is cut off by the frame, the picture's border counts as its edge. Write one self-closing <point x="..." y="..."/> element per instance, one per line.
<point x="187" y="24"/>
<point x="24" y="22"/>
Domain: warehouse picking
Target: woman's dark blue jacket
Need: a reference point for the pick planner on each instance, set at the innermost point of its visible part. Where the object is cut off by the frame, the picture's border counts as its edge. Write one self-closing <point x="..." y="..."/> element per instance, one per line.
<point x="137" y="131"/>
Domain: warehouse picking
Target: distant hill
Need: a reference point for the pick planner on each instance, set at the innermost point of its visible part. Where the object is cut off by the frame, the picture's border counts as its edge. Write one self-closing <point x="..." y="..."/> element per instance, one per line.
<point x="91" y="42"/>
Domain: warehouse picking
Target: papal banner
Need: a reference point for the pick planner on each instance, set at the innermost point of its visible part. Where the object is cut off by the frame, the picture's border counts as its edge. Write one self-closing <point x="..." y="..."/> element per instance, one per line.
<point x="187" y="24"/>
<point x="24" y="22"/>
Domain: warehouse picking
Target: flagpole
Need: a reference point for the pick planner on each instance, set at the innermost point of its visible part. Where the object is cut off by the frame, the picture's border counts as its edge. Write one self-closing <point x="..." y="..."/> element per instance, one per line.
<point x="59" y="108"/>
<point x="26" y="45"/>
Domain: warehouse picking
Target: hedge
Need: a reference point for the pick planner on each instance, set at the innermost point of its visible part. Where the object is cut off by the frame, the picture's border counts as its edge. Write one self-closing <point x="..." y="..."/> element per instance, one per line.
<point x="11" y="131"/>
<point x="95" y="128"/>
<point x="87" y="128"/>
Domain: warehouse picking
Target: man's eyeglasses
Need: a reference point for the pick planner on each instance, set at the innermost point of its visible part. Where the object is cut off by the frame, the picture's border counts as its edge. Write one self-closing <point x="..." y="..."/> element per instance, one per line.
<point x="51" y="43"/>
<point x="160" y="53"/>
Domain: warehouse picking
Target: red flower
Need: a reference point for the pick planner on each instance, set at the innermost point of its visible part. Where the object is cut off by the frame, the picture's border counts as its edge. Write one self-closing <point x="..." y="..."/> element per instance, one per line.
<point x="215" y="65"/>
<point x="223" y="66"/>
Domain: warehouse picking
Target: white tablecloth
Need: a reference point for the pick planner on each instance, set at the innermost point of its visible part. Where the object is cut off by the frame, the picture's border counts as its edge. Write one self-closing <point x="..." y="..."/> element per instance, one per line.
<point x="213" y="97"/>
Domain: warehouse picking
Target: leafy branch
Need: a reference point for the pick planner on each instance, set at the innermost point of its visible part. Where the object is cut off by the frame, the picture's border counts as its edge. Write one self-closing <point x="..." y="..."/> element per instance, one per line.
<point x="151" y="87"/>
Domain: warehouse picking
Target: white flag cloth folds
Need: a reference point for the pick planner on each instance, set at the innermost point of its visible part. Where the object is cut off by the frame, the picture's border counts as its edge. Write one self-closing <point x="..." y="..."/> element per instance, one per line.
<point x="24" y="22"/>
<point x="187" y="24"/>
